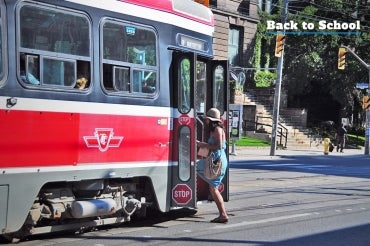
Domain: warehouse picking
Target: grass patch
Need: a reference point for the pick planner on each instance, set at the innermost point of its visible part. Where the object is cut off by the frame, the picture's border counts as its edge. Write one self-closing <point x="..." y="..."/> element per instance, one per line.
<point x="361" y="138"/>
<point x="355" y="140"/>
<point x="251" y="142"/>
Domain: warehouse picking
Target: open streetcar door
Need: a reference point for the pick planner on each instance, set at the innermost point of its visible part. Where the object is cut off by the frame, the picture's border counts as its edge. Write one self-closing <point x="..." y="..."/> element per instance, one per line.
<point x="212" y="92"/>
<point x="198" y="85"/>
<point x="183" y="185"/>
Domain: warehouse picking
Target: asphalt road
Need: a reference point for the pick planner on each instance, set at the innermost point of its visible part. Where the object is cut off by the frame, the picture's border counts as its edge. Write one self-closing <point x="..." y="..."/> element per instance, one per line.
<point x="293" y="198"/>
<point x="352" y="163"/>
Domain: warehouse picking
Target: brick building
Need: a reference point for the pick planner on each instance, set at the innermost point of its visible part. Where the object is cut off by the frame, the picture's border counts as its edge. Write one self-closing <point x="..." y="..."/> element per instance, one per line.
<point x="235" y="28"/>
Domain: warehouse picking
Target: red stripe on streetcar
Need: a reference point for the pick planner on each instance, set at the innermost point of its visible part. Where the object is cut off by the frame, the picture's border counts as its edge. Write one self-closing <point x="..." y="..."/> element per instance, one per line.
<point x="30" y="138"/>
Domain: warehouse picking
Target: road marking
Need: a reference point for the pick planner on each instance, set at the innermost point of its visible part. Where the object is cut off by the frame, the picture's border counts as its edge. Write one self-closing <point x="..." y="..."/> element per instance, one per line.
<point x="246" y="223"/>
<point x="296" y="165"/>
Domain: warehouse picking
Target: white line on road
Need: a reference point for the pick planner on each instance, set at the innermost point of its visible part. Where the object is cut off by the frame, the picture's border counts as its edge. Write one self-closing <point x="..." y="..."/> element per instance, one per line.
<point x="245" y="223"/>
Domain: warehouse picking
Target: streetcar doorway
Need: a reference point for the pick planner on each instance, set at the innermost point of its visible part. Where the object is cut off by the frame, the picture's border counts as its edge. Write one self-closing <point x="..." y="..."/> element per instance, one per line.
<point x="198" y="85"/>
<point x="211" y="91"/>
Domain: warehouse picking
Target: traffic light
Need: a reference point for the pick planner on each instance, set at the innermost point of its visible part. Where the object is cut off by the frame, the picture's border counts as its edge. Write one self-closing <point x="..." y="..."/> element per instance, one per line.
<point x="279" y="44"/>
<point x="204" y="2"/>
<point x="342" y="58"/>
<point x="365" y="102"/>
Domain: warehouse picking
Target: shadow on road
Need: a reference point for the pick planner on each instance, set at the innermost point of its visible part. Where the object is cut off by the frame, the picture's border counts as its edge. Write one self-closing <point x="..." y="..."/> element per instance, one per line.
<point x="357" y="165"/>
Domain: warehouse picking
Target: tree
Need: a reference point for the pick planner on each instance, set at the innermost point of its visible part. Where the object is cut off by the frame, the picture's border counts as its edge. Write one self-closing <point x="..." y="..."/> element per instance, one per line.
<point x="310" y="60"/>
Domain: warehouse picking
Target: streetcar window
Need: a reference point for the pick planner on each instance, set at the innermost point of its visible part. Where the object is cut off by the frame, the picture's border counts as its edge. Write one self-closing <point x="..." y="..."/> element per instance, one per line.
<point x="201" y="89"/>
<point x="59" y="72"/>
<point x="218" y="88"/>
<point x="121" y="78"/>
<point x="54" y="47"/>
<point x="2" y="44"/>
<point x="184" y="153"/>
<point x="53" y="30"/>
<point x="29" y="69"/>
<point x="129" y="53"/>
<point x="144" y="81"/>
<point x="184" y="86"/>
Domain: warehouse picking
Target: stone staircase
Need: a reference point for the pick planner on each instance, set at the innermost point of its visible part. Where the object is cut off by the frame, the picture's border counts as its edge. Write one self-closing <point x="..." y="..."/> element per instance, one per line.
<point x="292" y="119"/>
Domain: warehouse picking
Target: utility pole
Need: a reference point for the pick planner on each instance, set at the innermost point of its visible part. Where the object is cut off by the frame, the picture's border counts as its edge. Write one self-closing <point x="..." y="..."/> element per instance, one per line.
<point x="275" y="120"/>
<point x="367" y="129"/>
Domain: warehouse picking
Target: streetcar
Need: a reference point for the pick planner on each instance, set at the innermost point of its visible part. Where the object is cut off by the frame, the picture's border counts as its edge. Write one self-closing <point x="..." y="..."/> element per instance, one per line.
<point x="101" y="105"/>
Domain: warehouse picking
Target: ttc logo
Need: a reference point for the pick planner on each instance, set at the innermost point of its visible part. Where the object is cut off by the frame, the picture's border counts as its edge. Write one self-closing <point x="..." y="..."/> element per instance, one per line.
<point x="103" y="139"/>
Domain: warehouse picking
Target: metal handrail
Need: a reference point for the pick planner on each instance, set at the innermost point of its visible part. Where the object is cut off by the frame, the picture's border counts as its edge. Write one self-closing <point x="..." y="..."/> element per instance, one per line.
<point x="282" y="132"/>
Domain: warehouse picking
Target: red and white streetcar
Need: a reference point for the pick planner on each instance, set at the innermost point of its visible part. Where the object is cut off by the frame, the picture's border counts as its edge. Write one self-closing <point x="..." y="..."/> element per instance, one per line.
<point x="100" y="105"/>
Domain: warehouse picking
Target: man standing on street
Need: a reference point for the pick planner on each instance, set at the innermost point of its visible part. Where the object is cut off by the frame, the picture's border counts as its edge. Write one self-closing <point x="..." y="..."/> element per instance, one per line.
<point x="341" y="136"/>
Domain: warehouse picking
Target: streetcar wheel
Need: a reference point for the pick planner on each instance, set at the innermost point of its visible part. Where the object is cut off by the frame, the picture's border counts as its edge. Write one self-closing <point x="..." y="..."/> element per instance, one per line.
<point x="11" y="238"/>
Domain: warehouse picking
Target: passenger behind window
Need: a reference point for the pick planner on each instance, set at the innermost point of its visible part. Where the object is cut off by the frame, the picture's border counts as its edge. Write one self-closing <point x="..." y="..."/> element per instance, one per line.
<point x="82" y="83"/>
<point x="83" y="72"/>
<point x="28" y="76"/>
<point x="147" y="86"/>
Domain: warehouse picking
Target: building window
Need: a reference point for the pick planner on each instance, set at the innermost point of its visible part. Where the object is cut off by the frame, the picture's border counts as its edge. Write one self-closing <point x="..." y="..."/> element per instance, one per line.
<point x="244" y="7"/>
<point x="235" y="45"/>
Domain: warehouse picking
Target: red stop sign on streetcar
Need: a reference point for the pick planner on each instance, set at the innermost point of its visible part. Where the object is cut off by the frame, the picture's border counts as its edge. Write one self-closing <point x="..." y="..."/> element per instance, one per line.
<point x="184" y="119"/>
<point x="182" y="194"/>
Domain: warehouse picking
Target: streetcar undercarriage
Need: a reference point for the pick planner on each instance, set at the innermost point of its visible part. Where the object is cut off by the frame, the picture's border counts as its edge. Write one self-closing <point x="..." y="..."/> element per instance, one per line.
<point x="87" y="204"/>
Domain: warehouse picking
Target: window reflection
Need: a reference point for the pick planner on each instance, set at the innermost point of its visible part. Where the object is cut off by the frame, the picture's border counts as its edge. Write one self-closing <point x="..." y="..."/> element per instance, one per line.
<point x="59" y="72"/>
<point x="201" y="82"/>
<point x="184" y="152"/>
<point x="218" y="88"/>
<point x="184" y="86"/>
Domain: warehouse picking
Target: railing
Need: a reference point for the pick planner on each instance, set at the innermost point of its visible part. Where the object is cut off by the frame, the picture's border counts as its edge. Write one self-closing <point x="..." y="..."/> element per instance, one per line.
<point x="282" y="131"/>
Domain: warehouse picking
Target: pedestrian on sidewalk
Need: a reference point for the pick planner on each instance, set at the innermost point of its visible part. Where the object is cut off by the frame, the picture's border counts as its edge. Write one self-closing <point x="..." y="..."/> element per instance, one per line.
<point x="341" y="137"/>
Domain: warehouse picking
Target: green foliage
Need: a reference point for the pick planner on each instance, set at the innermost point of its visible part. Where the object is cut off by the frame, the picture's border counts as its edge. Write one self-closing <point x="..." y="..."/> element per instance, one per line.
<point x="262" y="37"/>
<point x="264" y="78"/>
<point x="310" y="61"/>
<point x="257" y="52"/>
<point x="359" y="131"/>
<point x="313" y="59"/>
<point x="232" y="84"/>
<point x="150" y="58"/>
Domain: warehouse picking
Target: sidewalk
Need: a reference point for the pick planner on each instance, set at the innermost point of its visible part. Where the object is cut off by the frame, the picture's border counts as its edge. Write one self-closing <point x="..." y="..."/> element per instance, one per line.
<point x="263" y="153"/>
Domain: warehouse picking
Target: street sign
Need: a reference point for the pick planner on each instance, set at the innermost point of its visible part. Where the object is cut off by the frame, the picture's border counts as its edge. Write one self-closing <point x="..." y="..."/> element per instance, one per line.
<point x="362" y="85"/>
<point x="182" y="194"/>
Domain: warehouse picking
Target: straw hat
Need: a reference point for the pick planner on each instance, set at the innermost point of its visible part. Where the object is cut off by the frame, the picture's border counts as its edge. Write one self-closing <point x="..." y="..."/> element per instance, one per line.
<point x="213" y="114"/>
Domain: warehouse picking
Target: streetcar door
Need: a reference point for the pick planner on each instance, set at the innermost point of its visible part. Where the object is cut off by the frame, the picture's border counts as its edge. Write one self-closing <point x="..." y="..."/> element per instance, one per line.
<point x="211" y="92"/>
<point x="183" y="185"/>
